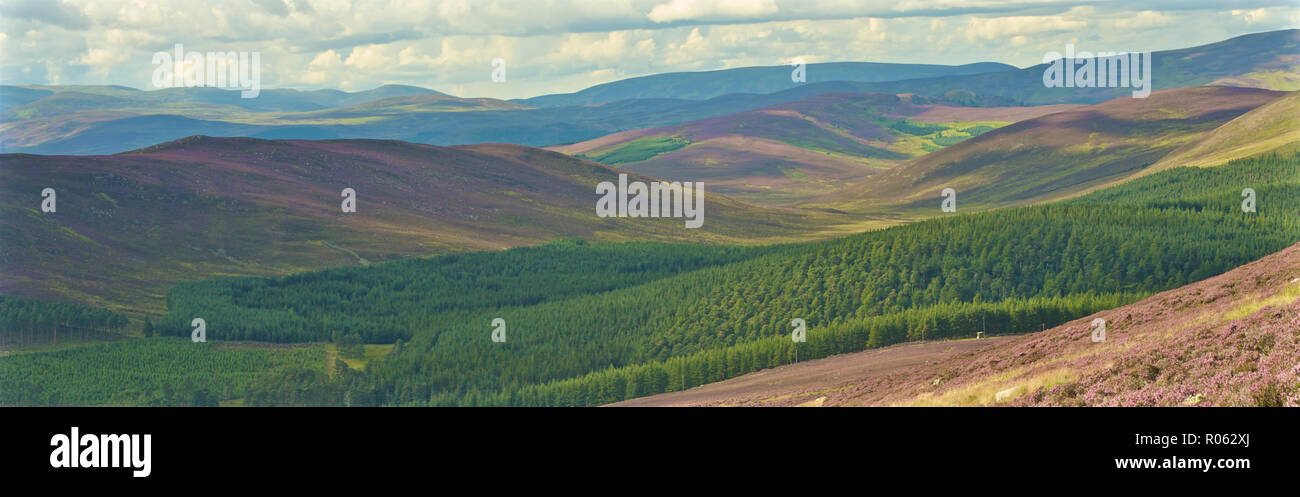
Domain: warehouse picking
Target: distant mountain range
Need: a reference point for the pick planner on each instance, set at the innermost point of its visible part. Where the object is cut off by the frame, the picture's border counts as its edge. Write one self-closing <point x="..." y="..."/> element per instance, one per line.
<point x="102" y="120"/>
<point x="24" y="102"/>
<point x="1268" y="60"/>
<point x="704" y="85"/>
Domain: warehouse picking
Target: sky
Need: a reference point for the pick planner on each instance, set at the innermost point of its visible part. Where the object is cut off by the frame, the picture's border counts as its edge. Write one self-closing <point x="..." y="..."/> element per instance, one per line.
<point x="561" y="46"/>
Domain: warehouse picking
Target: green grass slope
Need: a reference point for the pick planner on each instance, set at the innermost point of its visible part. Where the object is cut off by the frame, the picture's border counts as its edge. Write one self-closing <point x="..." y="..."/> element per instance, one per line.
<point x="1053" y="156"/>
<point x="1269" y="127"/>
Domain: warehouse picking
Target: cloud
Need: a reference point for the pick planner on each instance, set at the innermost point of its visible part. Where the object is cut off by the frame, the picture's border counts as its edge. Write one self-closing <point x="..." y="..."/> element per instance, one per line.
<point x="56" y="12"/>
<point x="1253" y="16"/>
<point x="353" y="40"/>
<point x="565" y="45"/>
<point x="275" y="7"/>
<point x="996" y="28"/>
<point x="712" y="10"/>
<point x="1145" y="19"/>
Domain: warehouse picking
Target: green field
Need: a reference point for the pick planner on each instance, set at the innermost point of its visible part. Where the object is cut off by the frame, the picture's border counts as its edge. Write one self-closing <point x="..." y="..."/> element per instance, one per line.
<point x="639" y="150"/>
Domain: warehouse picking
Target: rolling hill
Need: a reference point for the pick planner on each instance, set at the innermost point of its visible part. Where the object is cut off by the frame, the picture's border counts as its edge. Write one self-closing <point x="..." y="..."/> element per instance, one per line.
<point x="1230" y="340"/>
<point x="1269" y="60"/>
<point x="1227" y="341"/>
<point x="50" y="100"/>
<point x="393" y="106"/>
<point x="432" y="120"/>
<point x="128" y="226"/>
<point x="1270" y="127"/>
<point x="97" y="120"/>
<point x="1053" y="156"/>
<point x="1264" y="59"/>
<point x="595" y="323"/>
<point x="599" y="323"/>
<point x="794" y="151"/>
<point x="703" y="85"/>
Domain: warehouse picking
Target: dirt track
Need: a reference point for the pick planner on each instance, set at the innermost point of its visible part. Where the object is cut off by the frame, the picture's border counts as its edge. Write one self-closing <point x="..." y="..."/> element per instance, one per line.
<point x="795" y="384"/>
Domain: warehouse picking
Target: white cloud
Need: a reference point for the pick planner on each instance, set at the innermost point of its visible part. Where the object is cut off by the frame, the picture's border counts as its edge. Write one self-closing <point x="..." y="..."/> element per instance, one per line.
<point x="1145" y="19"/>
<point x="997" y="28"/>
<point x="712" y="10"/>
<point x="566" y="45"/>
<point x="1254" y="15"/>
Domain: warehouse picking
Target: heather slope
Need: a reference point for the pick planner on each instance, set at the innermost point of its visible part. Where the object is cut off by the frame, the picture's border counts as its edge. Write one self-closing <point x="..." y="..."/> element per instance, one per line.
<point x="130" y="225"/>
<point x="794" y="151"/>
<point x="1231" y="340"/>
<point x="1269" y="127"/>
<point x="1053" y="156"/>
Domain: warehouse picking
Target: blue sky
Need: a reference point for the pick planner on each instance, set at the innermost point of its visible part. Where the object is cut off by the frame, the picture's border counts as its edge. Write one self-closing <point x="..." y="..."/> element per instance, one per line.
<point x="553" y="46"/>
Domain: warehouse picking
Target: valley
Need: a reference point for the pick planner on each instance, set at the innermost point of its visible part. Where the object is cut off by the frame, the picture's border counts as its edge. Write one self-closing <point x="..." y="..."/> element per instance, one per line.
<point x="131" y="225"/>
<point x="479" y="269"/>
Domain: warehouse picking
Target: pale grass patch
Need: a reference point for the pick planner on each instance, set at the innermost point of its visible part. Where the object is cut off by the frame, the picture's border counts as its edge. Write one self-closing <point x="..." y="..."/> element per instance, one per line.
<point x="985" y="392"/>
<point x="817" y="402"/>
<point x="1286" y="295"/>
<point x="779" y="398"/>
<point x="372" y="352"/>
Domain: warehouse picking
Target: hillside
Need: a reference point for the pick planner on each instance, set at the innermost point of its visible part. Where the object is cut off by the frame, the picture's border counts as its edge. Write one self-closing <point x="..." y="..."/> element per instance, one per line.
<point x="130" y="225"/>
<point x="104" y="129"/>
<point x="598" y="323"/>
<point x="96" y="121"/>
<point x="1230" y="340"/>
<point x="398" y="106"/>
<point x="1269" y="60"/>
<point x="1053" y="156"/>
<point x="794" y="151"/>
<point x="51" y="100"/>
<point x="1269" y="127"/>
<point x="703" y="85"/>
<point x="61" y="126"/>
<point x="1226" y="341"/>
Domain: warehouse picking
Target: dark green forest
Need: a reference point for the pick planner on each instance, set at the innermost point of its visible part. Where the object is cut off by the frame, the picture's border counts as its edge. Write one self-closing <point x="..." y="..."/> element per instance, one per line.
<point x="591" y="323"/>
<point x="31" y="322"/>
<point x="148" y="371"/>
